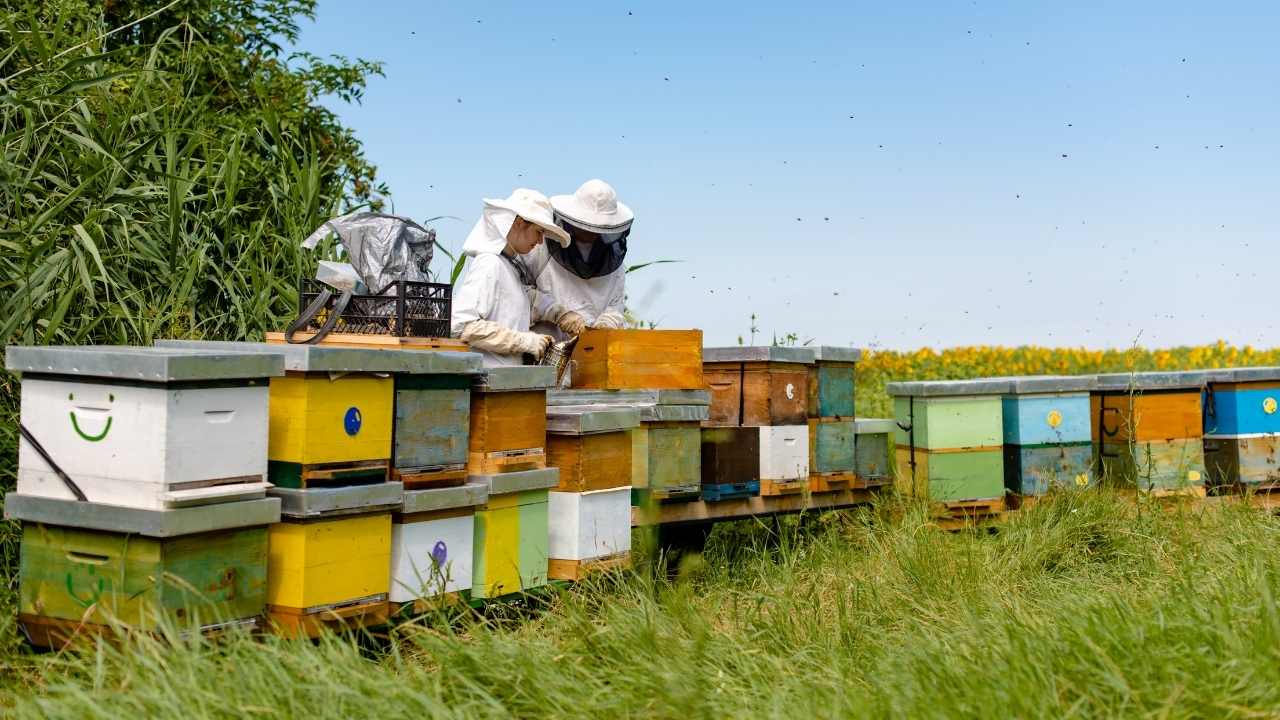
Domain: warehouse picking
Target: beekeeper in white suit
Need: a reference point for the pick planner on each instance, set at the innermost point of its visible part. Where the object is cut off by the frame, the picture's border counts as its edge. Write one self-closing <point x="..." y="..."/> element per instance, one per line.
<point x="582" y="284"/>
<point x="491" y="304"/>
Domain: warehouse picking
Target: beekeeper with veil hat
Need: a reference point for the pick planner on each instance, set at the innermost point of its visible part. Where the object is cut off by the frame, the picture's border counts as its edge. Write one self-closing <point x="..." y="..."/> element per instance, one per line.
<point x="491" y="305"/>
<point x="581" y="284"/>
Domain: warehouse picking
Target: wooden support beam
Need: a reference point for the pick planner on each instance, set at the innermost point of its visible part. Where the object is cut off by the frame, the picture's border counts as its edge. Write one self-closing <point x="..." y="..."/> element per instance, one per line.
<point x="702" y="511"/>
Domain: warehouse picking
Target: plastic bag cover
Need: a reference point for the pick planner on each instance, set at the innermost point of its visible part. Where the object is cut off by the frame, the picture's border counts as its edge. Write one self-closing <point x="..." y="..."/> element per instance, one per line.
<point x="382" y="248"/>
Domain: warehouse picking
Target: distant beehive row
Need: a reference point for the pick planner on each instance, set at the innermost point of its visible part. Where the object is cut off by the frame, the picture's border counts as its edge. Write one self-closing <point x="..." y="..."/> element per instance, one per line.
<point x="968" y="444"/>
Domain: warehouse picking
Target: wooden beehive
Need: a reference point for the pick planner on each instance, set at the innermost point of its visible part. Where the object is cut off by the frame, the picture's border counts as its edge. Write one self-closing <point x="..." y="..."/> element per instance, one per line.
<point x="667" y="460"/>
<point x="511" y="544"/>
<point x="873" y="452"/>
<point x="832" y="379"/>
<point x="1047" y="435"/>
<point x="95" y="576"/>
<point x="433" y="542"/>
<point x="323" y="564"/>
<point x="638" y="359"/>
<point x="1242" y="429"/>
<point x="591" y="446"/>
<point x="950" y="438"/>
<point x="1148" y="428"/>
<point x="831" y="447"/>
<point x="509" y="419"/>
<point x="758" y="386"/>
<point x="147" y="428"/>
<point x="588" y="526"/>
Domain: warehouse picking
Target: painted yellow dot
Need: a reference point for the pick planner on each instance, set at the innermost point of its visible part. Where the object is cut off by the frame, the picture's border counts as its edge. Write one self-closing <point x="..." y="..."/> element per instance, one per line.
<point x="1269" y="406"/>
<point x="1193" y="476"/>
<point x="1082" y="480"/>
<point x="1054" y="419"/>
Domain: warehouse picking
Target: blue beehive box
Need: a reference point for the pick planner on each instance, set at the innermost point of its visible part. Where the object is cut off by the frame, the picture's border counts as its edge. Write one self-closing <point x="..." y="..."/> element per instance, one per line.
<point x="1242" y="428"/>
<point x="1047" y="440"/>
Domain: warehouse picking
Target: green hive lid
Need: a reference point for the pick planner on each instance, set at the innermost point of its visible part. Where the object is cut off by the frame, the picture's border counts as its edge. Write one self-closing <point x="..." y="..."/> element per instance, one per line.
<point x="516" y="377"/>
<point x="1185" y="380"/>
<point x="1252" y="374"/>
<point x="1031" y="384"/>
<point x="587" y="419"/>
<point x="448" y="498"/>
<point x="324" y="358"/>
<point x="759" y="353"/>
<point x="949" y="388"/>
<point x="829" y="353"/>
<point x="147" y="364"/>
<point x="873" y="426"/>
<point x="629" y="397"/>
<point x="173" y="522"/>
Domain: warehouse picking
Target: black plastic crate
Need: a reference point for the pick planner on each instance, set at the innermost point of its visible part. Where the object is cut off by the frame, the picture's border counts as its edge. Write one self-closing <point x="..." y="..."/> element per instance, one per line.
<point x="403" y="308"/>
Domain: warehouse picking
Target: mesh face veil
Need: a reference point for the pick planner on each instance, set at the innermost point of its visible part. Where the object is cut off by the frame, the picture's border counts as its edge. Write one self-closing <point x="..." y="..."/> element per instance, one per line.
<point x="608" y="248"/>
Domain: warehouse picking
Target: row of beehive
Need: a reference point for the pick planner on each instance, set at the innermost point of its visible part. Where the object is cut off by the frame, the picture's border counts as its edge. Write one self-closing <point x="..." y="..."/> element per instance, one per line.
<point x="169" y="450"/>
<point x="974" y="440"/>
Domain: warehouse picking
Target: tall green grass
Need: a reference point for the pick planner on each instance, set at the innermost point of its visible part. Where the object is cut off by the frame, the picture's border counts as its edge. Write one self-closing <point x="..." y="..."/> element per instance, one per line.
<point x="1086" y="605"/>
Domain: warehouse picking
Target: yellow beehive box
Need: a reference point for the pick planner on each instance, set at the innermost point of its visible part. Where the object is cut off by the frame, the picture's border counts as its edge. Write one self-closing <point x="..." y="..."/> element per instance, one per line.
<point x="323" y="563"/>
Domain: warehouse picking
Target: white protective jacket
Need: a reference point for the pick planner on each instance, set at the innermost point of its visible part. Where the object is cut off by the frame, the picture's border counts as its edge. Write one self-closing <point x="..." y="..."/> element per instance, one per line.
<point x="600" y="301"/>
<point x="491" y="307"/>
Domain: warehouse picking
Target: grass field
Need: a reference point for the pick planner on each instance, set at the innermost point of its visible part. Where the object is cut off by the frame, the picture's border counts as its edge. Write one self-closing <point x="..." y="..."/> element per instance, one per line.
<point x="1086" y="605"/>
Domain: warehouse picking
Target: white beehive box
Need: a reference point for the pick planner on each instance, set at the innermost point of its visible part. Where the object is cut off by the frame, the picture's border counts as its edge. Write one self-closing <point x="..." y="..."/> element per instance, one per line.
<point x="784" y="452"/>
<point x="147" y="428"/>
<point x="433" y="542"/>
<point x="589" y="525"/>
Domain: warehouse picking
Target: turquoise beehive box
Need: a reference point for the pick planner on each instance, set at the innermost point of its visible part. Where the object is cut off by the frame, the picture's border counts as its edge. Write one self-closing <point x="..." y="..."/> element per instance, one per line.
<point x="1242" y="429"/>
<point x="1047" y="433"/>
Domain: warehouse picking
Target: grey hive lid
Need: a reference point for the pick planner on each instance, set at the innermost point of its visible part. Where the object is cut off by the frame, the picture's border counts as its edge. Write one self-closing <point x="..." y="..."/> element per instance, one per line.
<point x="321" y="358"/>
<point x="147" y="364"/>
<point x="629" y="397"/>
<point x="950" y="388"/>
<point x="1185" y="380"/>
<point x="1252" y="374"/>
<point x="516" y="377"/>
<point x="829" y="353"/>
<point x="1031" y="384"/>
<point x="873" y="426"/>
<point x="759" y="353"/>
<point x="586" y="419"/>
<point x="447" y="498"/>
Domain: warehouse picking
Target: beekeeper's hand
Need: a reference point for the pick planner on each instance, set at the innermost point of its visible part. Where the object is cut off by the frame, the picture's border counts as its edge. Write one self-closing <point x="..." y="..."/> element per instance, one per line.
<point x="572" y="323"/>
<point x="536" y="344"/>
<point x="610" y="320"/>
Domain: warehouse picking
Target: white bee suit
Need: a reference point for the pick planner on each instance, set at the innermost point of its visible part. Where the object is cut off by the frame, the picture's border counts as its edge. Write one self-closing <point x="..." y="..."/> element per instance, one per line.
<point x="600" y="300"/>
<point x="490" y="305"/>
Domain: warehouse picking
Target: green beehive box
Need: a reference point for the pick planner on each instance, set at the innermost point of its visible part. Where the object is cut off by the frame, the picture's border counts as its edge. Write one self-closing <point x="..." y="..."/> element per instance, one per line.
<point x="873" y="451"/>
<point x="831" y="382"/>
<point x="209" y="578"/>
<point x="950" y="438"/>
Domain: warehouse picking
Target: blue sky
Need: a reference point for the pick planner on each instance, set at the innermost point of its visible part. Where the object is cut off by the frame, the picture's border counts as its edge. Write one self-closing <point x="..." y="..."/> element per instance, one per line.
<point x="879" y="174"/>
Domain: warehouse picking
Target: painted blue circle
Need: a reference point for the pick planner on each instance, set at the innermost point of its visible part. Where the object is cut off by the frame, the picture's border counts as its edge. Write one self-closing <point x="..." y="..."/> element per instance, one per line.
<point x="351" y="421"/>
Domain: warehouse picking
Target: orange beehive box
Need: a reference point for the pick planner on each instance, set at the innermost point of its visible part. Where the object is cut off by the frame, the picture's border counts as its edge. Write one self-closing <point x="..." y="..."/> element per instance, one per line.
<point x="638" y="360"/>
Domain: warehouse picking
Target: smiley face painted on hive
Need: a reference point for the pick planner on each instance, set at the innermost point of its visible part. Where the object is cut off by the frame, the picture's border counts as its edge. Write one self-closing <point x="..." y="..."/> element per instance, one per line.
<point x="91" y="416"/>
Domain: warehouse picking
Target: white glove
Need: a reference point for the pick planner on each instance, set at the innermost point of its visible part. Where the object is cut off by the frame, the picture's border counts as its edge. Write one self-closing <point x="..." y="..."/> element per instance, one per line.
<point x="610" y="320"/>
<point x="572" y="323"/>
<point x="500" y="340"/>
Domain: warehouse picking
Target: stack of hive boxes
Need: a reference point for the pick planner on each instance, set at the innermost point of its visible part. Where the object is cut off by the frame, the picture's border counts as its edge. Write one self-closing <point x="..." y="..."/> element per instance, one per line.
<point x="332" y="441"/>
<point x="1242" y="430"/>
<point x="758" y="428"/>
<point x="590" y="510"/>
<point x="141" y="488"/>
<point x="832" y="439"/>
<point x="508" y="457"/>
<point x="1047" y="441"/>
<point x="950" y="440"/>
<point x="665" y="368"/>
<point x="1148" y="429"/>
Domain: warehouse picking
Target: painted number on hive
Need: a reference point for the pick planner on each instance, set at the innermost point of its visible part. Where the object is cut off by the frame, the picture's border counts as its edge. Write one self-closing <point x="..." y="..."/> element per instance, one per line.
<point x="791" y="391"/>
<point x="352" y="420"/>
